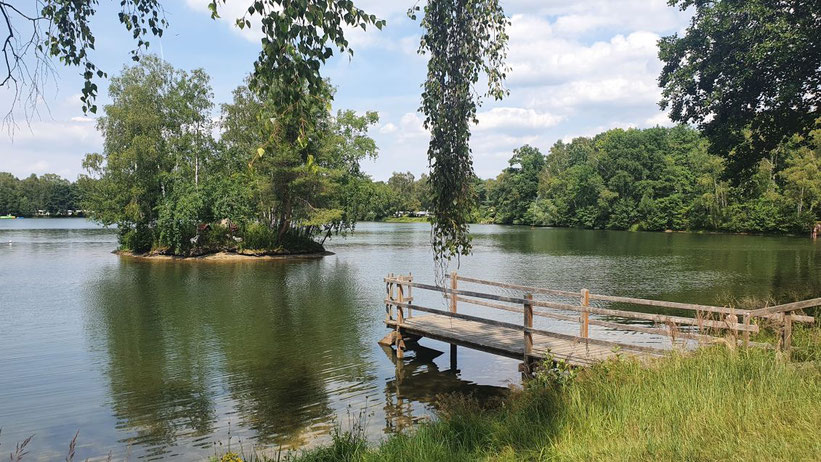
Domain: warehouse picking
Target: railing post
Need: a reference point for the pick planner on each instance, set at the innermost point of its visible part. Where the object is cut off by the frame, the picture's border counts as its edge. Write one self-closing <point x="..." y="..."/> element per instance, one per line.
<point x="584" y="318"/>
<point x="528" y="324"/>
<point x="787" y="334"/>
<point x="389" y="305"/>
<point x="410" y="294"/>
<point x="746" y="333"/>
<point x="400" y="318"/>
<point x="453" y="287"/>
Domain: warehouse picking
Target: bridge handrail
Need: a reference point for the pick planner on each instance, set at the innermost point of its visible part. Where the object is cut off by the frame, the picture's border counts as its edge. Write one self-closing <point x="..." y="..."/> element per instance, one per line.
<point x="761" y="313"/>
<point x="657" y="318"/>
<point x="781" y="313"/>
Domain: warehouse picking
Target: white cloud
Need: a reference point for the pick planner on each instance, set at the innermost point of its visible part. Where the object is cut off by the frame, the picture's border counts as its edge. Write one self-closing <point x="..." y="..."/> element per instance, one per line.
<point x="515" y="118"/>
<point x="387" y="128"/>
<point x="540" y="57"/>
<point x="589" y="15"/>
<point x="410" y="127"/>
<point x="621" y="90"/>
<point x="661" y="119"/>
<point x="62" y="132"/>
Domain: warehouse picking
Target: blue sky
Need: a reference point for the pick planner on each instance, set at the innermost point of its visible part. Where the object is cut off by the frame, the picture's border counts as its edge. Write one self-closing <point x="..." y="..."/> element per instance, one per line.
<point x="578" y="68"/>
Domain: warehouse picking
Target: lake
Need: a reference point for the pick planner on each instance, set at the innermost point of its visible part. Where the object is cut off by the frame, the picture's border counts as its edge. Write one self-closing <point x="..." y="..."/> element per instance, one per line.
<point x="154" y="359"/>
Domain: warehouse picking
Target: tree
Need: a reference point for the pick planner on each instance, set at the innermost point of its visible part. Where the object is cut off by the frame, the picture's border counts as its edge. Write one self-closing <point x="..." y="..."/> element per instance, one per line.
<point x="62" y="30"/>
<point x="403" y="186"/>
<point x="156" y="135"/>
<point x="465" y="39"/>
<point x="802" y="177"/>
<point x="517" y="186"/>
<point x="748" y="72"/>
<point x="9" y="194"/>
<point x="298" y="37"/>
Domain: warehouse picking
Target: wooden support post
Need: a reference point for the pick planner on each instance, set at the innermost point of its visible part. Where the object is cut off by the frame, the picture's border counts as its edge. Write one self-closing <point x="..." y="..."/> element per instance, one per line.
<point x="787" y="338"/>
<point x="584" y="317"/>
<point x="746" y="333"/>
<point x="453" y="286"/>
<point x="388" y="306"/>
<point x="410" y="294"/>
<point x="528" y="324"/>
<point x="400" y="353"/>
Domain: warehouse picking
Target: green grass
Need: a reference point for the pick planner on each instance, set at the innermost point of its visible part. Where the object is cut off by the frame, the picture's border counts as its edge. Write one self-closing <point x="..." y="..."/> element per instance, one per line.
<point x="715" y="404"/>
<point x="406" y="220"/>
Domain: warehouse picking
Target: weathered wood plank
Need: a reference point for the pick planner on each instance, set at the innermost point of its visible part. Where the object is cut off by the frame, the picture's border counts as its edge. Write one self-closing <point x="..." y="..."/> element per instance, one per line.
<point x="788" y="307"/>
<point x="504" y="341"/>
<point x="658" y="318"/>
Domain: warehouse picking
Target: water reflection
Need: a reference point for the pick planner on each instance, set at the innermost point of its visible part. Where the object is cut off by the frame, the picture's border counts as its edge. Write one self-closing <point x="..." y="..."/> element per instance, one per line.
<point x="419" y="379"/>
<point x="267" y="342"/>
<point x="163" y="358"/>
<point x="687" y="267"/>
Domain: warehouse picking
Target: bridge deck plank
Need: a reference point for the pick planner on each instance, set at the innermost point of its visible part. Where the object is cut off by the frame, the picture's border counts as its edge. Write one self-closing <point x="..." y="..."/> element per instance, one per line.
<point x="508" y="342"/>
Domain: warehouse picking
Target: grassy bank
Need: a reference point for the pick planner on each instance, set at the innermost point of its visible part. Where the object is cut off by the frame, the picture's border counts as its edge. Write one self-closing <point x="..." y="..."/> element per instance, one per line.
<point x="715" y="404"/>
<point x="406" y="220"/>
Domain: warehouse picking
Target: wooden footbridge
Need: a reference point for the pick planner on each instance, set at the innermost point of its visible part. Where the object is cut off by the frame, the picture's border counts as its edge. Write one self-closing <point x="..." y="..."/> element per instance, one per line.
<point x="584" y="327"/>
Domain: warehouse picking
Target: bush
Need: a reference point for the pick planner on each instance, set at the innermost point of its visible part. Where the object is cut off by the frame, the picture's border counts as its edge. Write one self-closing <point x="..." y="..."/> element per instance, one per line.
<point x="137" y="240"/>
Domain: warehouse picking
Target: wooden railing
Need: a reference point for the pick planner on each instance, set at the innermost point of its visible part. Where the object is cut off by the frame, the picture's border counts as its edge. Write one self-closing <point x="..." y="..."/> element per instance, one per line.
<point x="707" y="319"/>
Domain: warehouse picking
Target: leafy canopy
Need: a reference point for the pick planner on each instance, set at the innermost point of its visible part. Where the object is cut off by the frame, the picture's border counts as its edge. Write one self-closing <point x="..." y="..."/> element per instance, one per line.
<point x="464" y="39"/>
<point x="747" y="72"/>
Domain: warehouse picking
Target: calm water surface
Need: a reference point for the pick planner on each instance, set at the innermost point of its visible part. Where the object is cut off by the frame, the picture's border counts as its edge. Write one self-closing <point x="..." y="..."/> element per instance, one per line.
<point x="161" y="359"/>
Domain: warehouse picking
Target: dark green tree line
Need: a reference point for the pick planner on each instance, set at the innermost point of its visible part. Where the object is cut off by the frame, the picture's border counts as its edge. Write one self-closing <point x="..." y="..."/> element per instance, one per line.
<point x="48" y="193"/>
<point x="656" y="179"/>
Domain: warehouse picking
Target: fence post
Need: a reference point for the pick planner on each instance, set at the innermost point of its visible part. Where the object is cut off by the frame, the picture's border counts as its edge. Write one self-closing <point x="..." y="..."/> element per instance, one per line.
<point x="528" y="324"/>
<point x="410" y="294"/>
<point x="787" y="339"/>
<point x="389" y="305"/>
<point x="746" y="330"/>
<point x="400" y="318"/>
<point x="453" y="286"/>
<point x="584" y="318"/>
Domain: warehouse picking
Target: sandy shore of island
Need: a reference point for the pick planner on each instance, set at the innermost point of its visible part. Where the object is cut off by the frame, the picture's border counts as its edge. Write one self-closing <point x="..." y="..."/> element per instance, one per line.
<point x="224" y="256"/>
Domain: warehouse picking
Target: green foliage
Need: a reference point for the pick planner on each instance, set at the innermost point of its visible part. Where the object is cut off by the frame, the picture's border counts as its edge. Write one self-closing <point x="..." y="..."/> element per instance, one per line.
<point x="298" y="37"/>
<point x="747" y="72"/>
<point x="464" y="39"/>
<point x="64" y="30"/>
<point x="683" y="407"/>
<point x="49" y="193"/>
<point x="401" y="193"/>
<point x="170" y="187"/>
<point x="517" y="187"/>
<point x="655" y="180"/>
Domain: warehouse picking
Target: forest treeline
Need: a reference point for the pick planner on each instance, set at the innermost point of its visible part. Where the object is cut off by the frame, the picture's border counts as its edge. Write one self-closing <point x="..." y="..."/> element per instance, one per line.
<point x="47" y="194"/>
<point x="651" y="179"/>
<point x="656" y="179"/>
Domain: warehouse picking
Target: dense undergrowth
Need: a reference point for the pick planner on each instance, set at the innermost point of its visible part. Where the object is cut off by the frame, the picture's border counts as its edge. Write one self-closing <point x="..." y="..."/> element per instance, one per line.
<point x="713" y="404"/>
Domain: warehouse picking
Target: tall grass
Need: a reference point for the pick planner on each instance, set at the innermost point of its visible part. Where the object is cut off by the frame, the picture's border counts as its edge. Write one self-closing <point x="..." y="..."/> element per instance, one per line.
<point x="713" y="404"/>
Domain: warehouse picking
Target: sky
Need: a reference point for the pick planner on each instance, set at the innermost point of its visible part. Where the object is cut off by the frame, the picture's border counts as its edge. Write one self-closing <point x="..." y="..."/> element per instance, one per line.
<point x="577" y="68"/>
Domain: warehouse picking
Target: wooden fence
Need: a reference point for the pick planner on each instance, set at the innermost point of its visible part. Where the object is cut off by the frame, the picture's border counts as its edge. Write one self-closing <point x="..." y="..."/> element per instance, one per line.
<point x="708" y="324"/>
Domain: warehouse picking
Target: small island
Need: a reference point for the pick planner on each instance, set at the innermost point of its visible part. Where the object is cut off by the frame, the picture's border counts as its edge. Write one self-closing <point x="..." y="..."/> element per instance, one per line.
<point x="271" y="186"/>
<point x="226" y="241"/>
